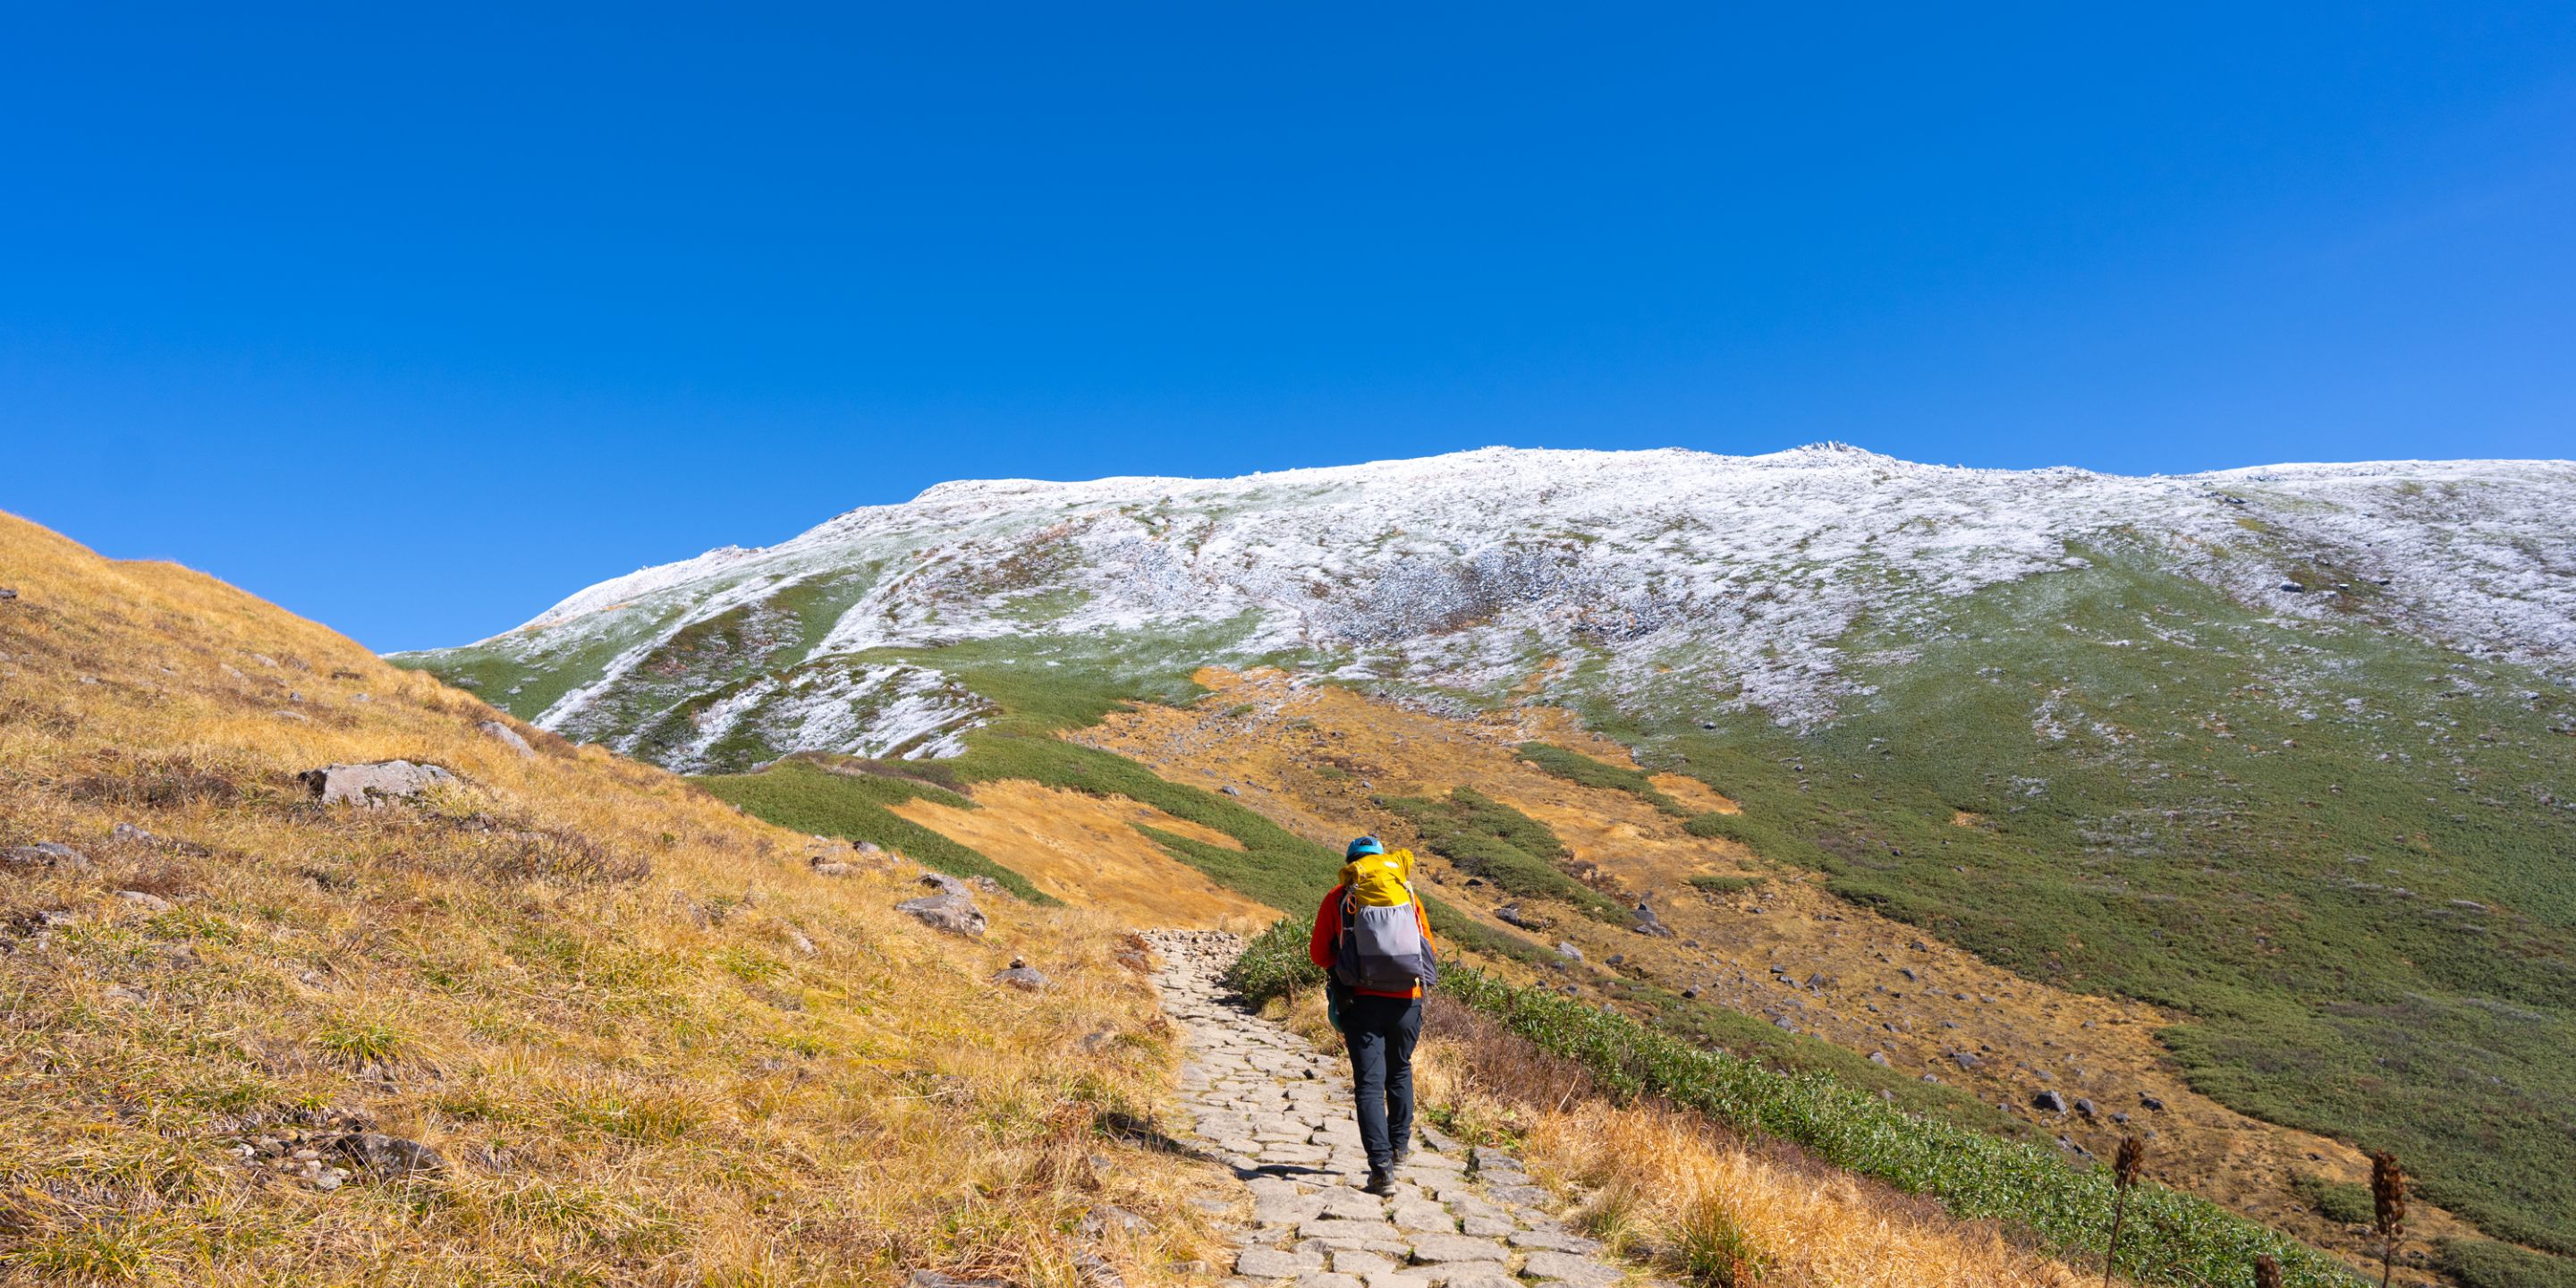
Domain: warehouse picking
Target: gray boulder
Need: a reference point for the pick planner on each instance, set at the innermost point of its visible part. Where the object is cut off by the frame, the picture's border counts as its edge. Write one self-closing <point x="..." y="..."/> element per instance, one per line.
<point x="2050" y="1101"/>
<point x="1650" y="924"/>
<point x="508" y="737"/>
<point x="1022" y="976"/>
<point x="951" y="913"/>
<point x="372" y="783"/>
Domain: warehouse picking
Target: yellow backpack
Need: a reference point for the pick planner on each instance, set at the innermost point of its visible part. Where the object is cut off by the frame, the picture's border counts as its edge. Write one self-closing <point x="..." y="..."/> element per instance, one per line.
<point x="1380" y="880"/>
<point x="1381" y="947"/>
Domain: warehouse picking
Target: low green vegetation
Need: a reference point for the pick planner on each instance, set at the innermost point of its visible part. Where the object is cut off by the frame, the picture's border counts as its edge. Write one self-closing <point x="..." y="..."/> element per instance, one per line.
<point x="2485" y="1263"/>
<point x="2336" y="849"/>
<point x="1593" y="774"/>
<point x="2343" y="1202"/>
<point x="1722" y="885"/>
<point x="1576" y="767"/>
<point x="1485" y="838"/>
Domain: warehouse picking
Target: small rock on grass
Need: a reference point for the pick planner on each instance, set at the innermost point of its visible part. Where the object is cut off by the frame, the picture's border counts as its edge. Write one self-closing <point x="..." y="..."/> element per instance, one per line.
<point x="372" y="783"/>
<point x="388" y="1155"/>
<point x="43" y="854"/>
<point x="1022" y="976"/>
<point x="148" y="902"/>
<point x="508" y="737"/>
<point x="953" y="913"/>
<point x="934" y="1279"/>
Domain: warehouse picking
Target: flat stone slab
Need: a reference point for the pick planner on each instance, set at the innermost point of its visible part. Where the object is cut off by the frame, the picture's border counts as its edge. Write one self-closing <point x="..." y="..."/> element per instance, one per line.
<point x="1271" y="1263"/>
<point x="1327" y="1279"/>
<point x="1553" y="1240"/>
<point x="1583" y="1272"/>
<point x="1336" y="1228"/>
<point x="1457" y="1247"/>
<point x="1424" y="1216"/>
<point x="1361" y="1261"/>
<point x="1343" y="1201"/>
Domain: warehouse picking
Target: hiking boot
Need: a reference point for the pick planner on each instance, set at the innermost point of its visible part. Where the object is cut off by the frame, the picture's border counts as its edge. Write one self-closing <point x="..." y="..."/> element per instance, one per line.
<point x="1402" y="1152"/>
<point x="1381" y="1182"/>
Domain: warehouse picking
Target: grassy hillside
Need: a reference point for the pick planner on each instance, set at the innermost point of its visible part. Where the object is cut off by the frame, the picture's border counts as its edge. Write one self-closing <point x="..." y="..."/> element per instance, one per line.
<point x="647" y="1041"/>
<point x="2341" y="851"/>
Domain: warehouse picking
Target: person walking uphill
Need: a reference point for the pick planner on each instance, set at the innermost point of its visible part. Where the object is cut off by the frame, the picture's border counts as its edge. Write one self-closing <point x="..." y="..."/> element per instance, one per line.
<point x="1373" y="941"/>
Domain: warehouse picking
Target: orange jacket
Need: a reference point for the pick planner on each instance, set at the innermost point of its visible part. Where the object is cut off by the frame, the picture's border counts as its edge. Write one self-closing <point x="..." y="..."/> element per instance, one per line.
<point x="1328" y="930"/>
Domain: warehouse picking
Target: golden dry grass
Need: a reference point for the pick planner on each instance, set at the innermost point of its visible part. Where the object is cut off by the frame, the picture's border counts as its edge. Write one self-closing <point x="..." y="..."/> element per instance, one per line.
<point x="653" y="1044"/>
<point x="1086" y="850"/>
<point x="1668" y="1188"/>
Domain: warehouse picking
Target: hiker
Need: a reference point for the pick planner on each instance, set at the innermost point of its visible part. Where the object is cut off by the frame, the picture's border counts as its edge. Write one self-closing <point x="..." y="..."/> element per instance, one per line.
<point x="1374" y="943"/>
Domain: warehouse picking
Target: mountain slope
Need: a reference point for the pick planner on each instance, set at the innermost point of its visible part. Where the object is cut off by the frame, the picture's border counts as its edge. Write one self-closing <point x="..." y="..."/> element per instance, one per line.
<point x="649" y="1042"/>
<point x="1469" y="571"/>
<point x="2282" y="750"/>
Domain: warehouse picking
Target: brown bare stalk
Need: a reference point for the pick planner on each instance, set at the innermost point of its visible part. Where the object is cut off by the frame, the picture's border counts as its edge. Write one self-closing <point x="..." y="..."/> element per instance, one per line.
<point x="2267" y="1272"/>
<point x="2124" y="1177"/>
<point x="2388" y="1208"/>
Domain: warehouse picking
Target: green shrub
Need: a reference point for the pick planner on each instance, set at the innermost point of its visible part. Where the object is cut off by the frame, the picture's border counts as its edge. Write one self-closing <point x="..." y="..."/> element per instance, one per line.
<point x="1274" y="964"/>
<point x="1576" y="767"/>
<point x="2344" y="1202"/>
<point x="2183" y="1239"/>
<point x="2485" y="1263"/>
<point x="1722" y="885"/>
<point x="1486" y="838"/>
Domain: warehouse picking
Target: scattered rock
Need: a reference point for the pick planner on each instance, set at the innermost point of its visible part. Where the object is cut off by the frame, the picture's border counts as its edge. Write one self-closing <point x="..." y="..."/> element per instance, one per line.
<point x="1878" y="1058"/>
<point x="1022" y="976"/>
<point x="2086" y="1107"/>
<point x="148" y="902"/>
<point x="827" y="866"/>
<point x="372" y="783"/>
<point x="1966" y="1060"/>
<point x="934" y="1279"/>
<point x="2150" y="1102"/>
<point x="1568" y="951"/>
<point x="2050" y="1101"/>
<point x="1510" y="914"/>
<point x="43" y="854"/>
<point x="988" y="885"/>
<point x="8" y="593"/>
<point x="1650" y="924"/>
<point x="1101" y="1220"/>
<point x="388" y="1155"/>
<point x="1229" y="790"/>
<point x="508" y="737"/>
<point x="952" y="913"/>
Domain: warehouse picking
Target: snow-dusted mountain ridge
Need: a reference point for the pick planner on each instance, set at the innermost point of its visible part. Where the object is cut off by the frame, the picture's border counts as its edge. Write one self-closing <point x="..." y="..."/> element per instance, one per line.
<point x="1474" y="572"/>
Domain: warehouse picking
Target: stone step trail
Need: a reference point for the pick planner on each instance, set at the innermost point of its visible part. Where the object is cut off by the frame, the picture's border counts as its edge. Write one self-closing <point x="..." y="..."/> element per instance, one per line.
<point x="1278" y="1112"/>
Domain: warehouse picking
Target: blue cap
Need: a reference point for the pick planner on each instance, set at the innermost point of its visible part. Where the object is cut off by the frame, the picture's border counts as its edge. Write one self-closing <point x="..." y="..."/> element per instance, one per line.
<point x="1364" y="845"/>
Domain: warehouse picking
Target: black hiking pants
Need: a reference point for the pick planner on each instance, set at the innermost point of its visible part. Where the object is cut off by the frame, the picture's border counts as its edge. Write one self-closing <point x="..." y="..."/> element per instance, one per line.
<point x="1380" y="1032"/>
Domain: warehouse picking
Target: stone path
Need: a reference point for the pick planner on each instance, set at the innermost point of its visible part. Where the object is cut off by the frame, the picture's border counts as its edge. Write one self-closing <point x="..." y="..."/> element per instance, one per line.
<point x="1278" y="1112"/>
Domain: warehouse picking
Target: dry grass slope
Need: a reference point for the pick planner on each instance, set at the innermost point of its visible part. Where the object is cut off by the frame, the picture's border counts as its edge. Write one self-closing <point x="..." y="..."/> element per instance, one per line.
<point x="651" y="1043"/>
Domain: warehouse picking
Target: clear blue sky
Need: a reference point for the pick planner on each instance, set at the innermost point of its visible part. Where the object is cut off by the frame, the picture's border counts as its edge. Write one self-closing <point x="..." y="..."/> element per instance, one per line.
<point x="415" y="318"/>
